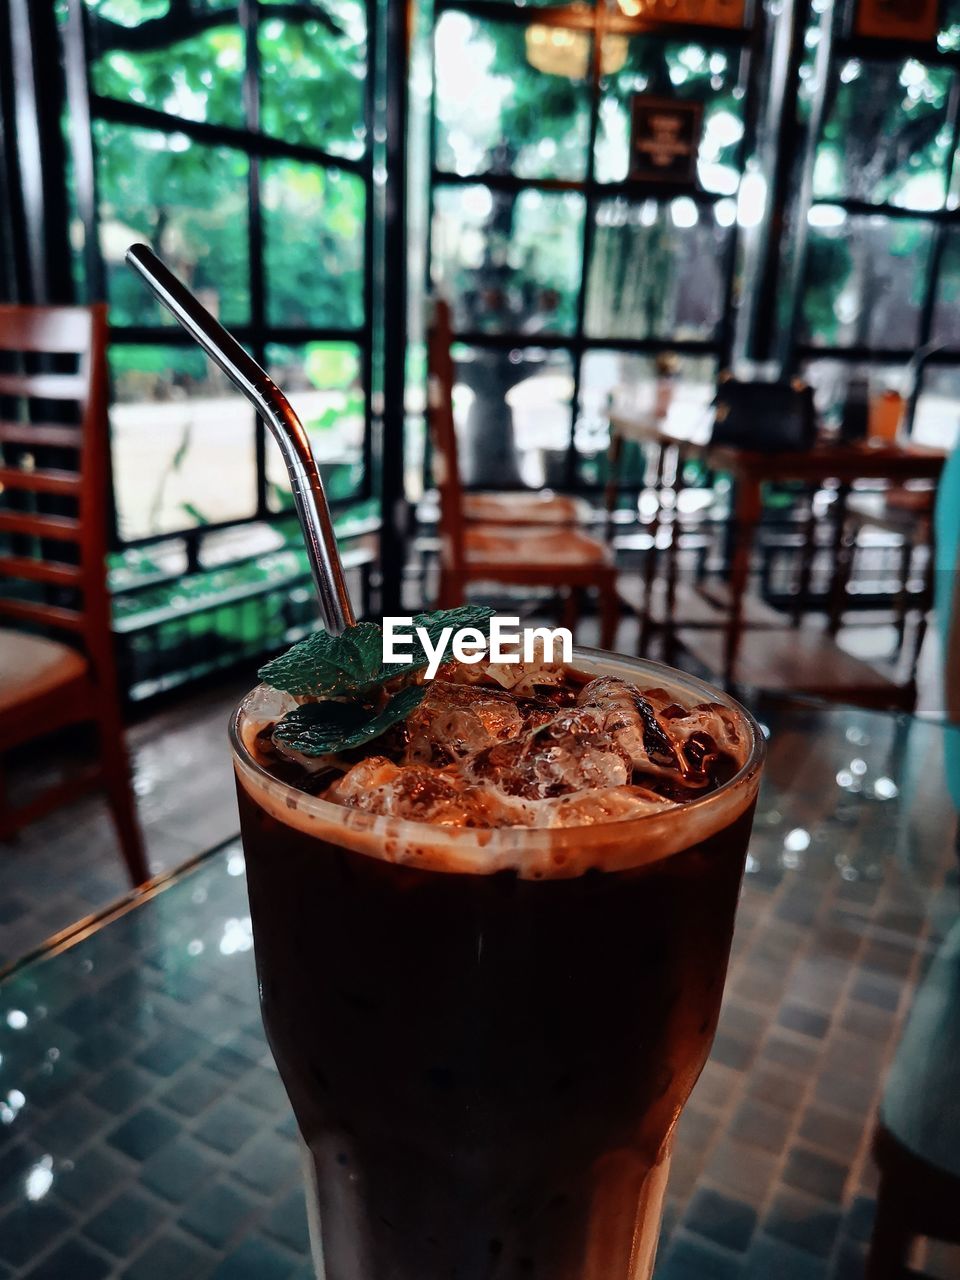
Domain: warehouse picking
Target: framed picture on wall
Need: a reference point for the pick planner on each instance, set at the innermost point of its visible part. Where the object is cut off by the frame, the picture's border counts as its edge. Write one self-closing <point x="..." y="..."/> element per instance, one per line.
<point x="710" y="13"/>
<point x="664" y="139"/>
<point x="898" y="19"/>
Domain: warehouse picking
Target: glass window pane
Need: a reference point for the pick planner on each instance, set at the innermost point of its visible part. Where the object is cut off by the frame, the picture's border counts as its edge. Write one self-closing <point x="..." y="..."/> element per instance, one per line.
<point x="667" y="69"/>
<point x="128" y="13"/>
<point x="946" y="315"/>
<point x="886" y="137"/>
<point x="512" y="411"/>
<point x="182" y="441"/>
<point x="634" y="384"/>
<point x="937" y="420"/>
<point x="509" y="263"/>
<point x="496" y="113"/>
<point x="313" y="222"/>
<point x="325" y="383"/>
<point x="189" y="202"/>
<point x="199" y="76"/>
<point x="864" y="280"/>
<point x="312" y="73"/>
<point x="657" y="269"/>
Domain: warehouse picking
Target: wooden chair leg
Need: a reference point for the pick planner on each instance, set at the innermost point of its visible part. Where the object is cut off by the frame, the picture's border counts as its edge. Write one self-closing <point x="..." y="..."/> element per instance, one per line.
<point x="892" y="1237"/>
<point x="570" y="613"/>
<point x="449" y="591"/>
<point x="8" y="828"/>
<point x="609" y="615"/>
<point x="118" y="785"/>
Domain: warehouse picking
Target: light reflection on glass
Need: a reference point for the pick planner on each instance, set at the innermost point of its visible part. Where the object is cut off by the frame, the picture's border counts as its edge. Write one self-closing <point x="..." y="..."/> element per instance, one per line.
<point x="237" y="936"/>
<point x="235" y="864"/>
<point x="195" y="947"/>
<point x="11" y="1106"/>
<point x="797" y="840"/>
<point x="39" y="1179"/>
<point x="17" y="1019"/>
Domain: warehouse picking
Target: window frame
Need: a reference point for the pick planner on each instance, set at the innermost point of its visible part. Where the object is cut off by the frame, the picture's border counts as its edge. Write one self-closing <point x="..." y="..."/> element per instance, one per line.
<point x="840" y="43"/>
<point x="85" y="108"/>
<point x="748" y="44"/>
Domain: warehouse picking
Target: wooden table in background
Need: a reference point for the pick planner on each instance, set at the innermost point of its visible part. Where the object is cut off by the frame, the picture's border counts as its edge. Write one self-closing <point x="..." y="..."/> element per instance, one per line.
<point x="687" y="434"/>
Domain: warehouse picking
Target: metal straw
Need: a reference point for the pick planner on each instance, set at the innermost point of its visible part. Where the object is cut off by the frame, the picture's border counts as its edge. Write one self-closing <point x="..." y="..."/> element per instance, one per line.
<point x="287" y="429"/>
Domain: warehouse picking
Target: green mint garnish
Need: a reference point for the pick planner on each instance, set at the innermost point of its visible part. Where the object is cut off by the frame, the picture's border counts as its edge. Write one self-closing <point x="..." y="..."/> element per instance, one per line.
<point x="332" y="666"/>
<point x="326" y="665"/>
<point x="325" y="728"/>
<point x="350" y="669"/>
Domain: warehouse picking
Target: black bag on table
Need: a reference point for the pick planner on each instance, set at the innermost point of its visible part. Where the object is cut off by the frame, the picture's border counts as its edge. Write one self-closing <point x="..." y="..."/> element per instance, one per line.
<point x="770" y="417"/>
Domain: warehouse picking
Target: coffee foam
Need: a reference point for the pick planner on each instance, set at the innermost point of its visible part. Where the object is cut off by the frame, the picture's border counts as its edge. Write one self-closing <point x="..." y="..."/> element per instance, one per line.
<point x="613" y="828"/>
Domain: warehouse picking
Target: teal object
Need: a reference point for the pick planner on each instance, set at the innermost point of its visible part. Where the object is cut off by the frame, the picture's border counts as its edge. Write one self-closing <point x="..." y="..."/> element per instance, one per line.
<point x="947" y="591"/>
<point x="921" y="1105"/>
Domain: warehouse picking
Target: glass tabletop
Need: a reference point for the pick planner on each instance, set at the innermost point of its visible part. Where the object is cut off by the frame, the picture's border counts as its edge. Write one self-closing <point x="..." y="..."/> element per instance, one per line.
<point x="144" y="1132"/>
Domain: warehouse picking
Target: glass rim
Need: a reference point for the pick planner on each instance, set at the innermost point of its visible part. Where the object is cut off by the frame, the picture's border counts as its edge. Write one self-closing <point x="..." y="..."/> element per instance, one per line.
<point x="345" y="821"/>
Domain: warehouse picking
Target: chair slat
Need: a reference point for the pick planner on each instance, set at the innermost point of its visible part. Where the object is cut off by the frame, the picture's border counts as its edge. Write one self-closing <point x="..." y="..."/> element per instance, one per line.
<point x="61" y="528"/>
<point x="47" y="615"/>
<point x="41" y="435"/>
<point x="61" y="575"/>
<point x="43" y="386"/>
<point x="49" y="480"/>
<point x="58" y="330"/>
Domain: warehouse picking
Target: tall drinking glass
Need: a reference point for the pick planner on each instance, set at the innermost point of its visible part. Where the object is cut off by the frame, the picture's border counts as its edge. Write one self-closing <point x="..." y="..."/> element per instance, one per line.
<point x="488" y="1036"/>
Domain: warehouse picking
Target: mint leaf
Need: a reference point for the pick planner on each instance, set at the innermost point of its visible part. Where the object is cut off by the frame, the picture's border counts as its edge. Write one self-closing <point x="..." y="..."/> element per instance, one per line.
<point x="324" y="665"/>
<point x="467" y="615"/>
<point x="325" y="728"/>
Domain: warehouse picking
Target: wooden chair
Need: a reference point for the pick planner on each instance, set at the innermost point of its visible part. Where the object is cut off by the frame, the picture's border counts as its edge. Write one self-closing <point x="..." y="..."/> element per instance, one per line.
<point x="516" y="551"/>
<point x="52" y="564"/>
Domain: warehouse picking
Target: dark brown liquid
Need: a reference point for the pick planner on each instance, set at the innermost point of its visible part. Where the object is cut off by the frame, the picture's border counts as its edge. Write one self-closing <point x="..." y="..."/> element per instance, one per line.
<point x="477" y="1061"/>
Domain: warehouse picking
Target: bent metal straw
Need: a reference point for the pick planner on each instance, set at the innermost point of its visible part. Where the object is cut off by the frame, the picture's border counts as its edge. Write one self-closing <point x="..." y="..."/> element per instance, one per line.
<point x="273" y="406"/>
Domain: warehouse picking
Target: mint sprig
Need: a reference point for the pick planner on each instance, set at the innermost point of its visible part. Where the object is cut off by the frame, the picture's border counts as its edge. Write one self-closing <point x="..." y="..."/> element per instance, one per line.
<point x="346" y="673"/>
<point x="333" y="666"/>
<point x="325" y="728"/>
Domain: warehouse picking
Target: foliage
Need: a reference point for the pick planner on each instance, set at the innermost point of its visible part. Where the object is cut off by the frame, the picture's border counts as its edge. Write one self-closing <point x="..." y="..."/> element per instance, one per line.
<point x="189" y="201"/>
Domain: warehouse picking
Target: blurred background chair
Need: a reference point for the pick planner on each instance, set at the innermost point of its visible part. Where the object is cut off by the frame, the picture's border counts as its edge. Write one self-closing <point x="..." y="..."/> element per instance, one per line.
<point x="519" y="549"/>
<point x="53" y="558"/>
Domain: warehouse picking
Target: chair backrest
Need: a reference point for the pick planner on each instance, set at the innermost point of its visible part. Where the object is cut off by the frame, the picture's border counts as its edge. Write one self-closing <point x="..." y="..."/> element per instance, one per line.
<point x="53" y="473"/>
<point x="443" y="436"/>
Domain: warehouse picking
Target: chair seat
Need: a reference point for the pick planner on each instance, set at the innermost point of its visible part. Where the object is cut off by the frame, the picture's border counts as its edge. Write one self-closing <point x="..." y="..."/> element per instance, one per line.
<point x="31" y="666"/>
<point x="529" y="547"/>
<point x="524" y="509"/>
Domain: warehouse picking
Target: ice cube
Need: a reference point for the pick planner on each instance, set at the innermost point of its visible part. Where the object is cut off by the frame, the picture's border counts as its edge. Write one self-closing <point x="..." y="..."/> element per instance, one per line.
<point x="563" y="756"/>
<point x="263" y="705"/>
<point x="456" y="720"/>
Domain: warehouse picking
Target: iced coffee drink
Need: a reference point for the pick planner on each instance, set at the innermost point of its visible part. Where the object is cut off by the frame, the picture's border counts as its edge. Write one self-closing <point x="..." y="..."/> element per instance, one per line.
<point x="491" y="946"/>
